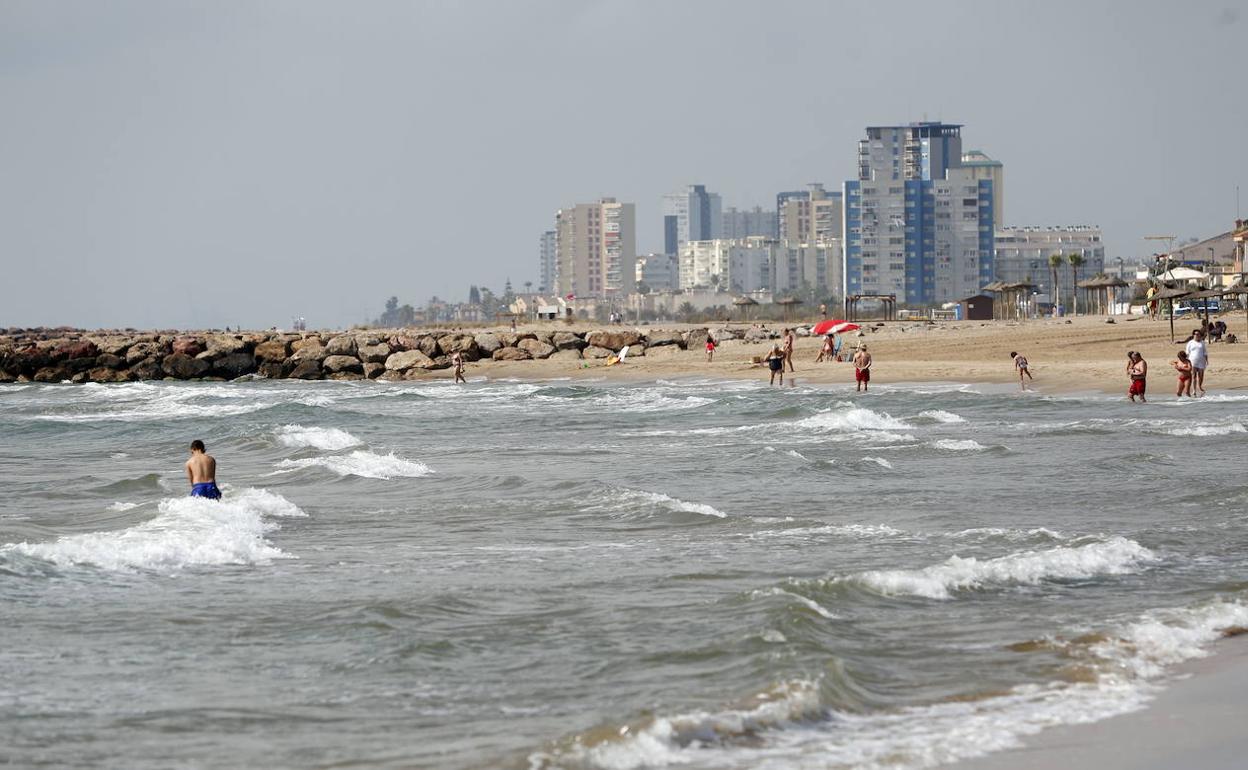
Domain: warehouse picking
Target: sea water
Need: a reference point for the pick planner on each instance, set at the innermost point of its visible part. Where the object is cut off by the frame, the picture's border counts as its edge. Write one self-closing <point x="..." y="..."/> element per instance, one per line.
<point x="596" y="574"/>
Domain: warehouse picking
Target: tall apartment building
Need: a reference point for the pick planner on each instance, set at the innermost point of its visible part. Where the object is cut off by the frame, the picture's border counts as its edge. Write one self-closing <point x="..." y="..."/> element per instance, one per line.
<point x="809" y="216"/>
<point x="746" y="224"/>
<point x="596" y="249"/>
<point x="798" y="265"/>
<point x="984" y="167"/>
<point x="1022" y="253"/>
<point x="546" y="262"/>
<point x="917" y="224"/>
<point x="693" y="214"/>
<point x="660" y="272"/>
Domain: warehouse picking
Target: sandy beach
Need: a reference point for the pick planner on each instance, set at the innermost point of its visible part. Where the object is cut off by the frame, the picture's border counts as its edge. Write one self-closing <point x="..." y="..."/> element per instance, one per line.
<point x="1197" y="722"/>
<point x="1077" y="354"/>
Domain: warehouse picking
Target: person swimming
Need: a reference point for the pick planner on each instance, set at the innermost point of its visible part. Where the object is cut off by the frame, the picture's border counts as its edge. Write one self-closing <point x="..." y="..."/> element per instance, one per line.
<point x="201" y="471"/>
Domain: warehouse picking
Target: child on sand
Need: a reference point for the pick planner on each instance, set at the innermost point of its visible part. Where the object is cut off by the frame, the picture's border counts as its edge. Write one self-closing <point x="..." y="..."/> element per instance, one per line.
<point x="1020" y="362"/>
<point x="1184" y="367"/>
<point x="710" y="348"/>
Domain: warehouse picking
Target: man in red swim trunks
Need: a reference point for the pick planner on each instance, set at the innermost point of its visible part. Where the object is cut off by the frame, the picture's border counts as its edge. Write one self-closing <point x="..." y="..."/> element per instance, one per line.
<point x="1137" y="370"/>
<point x="862" y="367"/>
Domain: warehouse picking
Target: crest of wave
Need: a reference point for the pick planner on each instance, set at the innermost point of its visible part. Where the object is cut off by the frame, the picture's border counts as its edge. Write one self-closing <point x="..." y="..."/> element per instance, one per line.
<point x="187" y="532"/>
<point x="1114" y="556"/>
<point x="332" y="439"/>
<point x="369" y="465"/>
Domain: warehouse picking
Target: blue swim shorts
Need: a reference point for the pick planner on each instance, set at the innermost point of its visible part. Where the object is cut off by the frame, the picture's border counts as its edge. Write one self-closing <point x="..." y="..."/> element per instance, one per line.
<point x="207" y="489"/>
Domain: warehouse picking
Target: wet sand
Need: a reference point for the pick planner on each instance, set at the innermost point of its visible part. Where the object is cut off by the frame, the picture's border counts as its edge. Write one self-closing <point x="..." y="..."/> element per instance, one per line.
<point x="1196" y="722"/>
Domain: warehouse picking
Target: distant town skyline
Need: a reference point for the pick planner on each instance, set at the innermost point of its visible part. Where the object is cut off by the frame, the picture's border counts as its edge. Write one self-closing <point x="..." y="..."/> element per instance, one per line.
<point x="168" y="165"/>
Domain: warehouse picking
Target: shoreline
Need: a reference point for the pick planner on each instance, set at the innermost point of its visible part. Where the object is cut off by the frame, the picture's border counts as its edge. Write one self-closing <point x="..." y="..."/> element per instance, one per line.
<point x="1196" y="720"/>
<point x="1084" y="354"/>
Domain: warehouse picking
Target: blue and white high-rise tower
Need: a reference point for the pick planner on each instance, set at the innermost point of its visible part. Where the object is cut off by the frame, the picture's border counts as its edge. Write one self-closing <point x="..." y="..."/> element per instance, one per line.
<point x="917" y="224"/>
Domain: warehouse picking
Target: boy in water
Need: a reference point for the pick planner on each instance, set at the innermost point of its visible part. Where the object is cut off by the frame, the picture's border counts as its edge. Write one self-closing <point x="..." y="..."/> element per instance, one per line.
<point x="1020" y="362"/>
<point x="201" y="471"/>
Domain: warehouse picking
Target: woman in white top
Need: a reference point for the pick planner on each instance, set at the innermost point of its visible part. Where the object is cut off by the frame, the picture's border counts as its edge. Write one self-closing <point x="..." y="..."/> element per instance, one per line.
<point x="1198" y="354"/>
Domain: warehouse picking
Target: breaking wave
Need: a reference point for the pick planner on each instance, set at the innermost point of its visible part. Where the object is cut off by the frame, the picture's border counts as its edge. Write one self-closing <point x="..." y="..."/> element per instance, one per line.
<point x="332" y="439"/>
<point x="364" y="464"/>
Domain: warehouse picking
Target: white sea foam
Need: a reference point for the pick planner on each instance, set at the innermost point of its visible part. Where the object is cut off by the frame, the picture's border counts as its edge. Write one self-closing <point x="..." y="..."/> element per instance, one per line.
<point x="673" y="503"/>
<point x="369" y="465"/>
<point x="120" y="506"/>
<point x="1164" y="637"/>
<point x="958" y="445"/>
<point x="852" y="419"/>
<point x="939" y="415"/>
<point x="187" y="532"/>
<point x="331" y="439"/>
<point x="813" y="605"/>
<point x="880" y="461"/>
<point x="1208" y="430"/>
<point x="615" y="500"/>
<point x="1114" y="556"/>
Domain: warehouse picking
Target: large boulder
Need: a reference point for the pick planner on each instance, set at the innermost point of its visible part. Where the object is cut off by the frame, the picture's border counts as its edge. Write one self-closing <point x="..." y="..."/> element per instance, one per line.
<point x="400" y="342"/>
<point x="234" y="365"/>
<point x="464" y="344"/>
<point x="52" y="374"/>
<point x="509" y="339"/>
<point x="273" y="370"/>
<point x="428" y="345"/>
<point x="188" y="346"/>
<point x="487" y="343"/>
<point x="309" y="350"/>
<point x="109" y="361"/>
<point x="183" y="367"/>
<point x="658" y="338"/>
<point x="342" y="345"/>
<point x="567" y="341"/>
<point x="374" y="354"/>
<point x="113" y="344"/>
<point x="408" y="359"/>
<point x="71" y="349"/>
<point x="220" y="345"/>
<point x="536" y="348"/>
<point x="340" y="364"/>
<point x="511" y="354"/>
<point x="273" y="351"/>
<point x="613" y="339"/>
<point x="105" y="374"/>
<point x="695" y="339"/>
<point x="307" y="369"/>
<point x="141" y="351"/>
<point x="593" y="351"/>
<point x="147" y="369"/>
<point x="566" y="355"/>
<point x="344" y="375"/>
<point x="757" y="334"/>
<point x="373" y="370"/>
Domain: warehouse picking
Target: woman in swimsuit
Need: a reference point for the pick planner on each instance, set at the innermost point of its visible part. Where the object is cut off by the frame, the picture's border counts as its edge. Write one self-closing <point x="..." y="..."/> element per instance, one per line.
<point x="775" y="361"/>
<point x="1184" y="367"/>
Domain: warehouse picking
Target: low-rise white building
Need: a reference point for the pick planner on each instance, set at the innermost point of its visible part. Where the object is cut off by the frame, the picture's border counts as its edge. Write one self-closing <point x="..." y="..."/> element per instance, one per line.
<point x="1022" y="254"/>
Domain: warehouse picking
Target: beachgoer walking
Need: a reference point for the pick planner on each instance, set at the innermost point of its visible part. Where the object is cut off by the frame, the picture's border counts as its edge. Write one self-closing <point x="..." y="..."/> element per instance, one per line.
<point x="862" y="367"/>
<point x="775" y="362"/>
<point x="457" y="360"/>
<point x="823" y="310"/>
<point x="1198" y="354"/>
<point x="1183" y="366"/>
<point x="1020" y="363"/>
<point x="1137" y="370"/>
<point x="201" y="471"/>
<point x="513" y="325"/>
<point x="789" y="339"/>
<point x="1152" y="302"/>
<point x="710" y="348"/>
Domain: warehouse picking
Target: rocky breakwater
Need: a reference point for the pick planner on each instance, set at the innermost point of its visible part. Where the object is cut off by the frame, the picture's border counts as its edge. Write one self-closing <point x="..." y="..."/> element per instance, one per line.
<point x="72" y="356"/>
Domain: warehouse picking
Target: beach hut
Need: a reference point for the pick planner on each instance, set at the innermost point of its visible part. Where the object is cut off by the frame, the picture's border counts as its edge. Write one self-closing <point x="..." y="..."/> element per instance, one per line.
<point x="977" y="308"/>
<point x="1016" y="295"/>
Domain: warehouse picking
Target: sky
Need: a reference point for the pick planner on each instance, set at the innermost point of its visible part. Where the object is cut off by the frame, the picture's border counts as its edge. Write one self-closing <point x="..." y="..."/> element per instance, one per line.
<point x="201" y="164"/>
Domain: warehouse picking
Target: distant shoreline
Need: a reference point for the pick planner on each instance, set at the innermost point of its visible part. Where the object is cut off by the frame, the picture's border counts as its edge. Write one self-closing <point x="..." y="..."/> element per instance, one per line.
<point x="1066" y="355"/>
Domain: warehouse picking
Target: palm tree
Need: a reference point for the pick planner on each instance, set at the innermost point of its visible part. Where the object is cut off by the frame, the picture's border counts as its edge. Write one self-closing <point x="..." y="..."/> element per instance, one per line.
<point x="1055" y="261"/>
<point x="687" y="310"/>
<point x="1075" y="261"/>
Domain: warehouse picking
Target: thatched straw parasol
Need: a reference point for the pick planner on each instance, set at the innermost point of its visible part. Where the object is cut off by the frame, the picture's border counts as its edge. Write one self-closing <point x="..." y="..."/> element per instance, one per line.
<point x="744" y="303"/>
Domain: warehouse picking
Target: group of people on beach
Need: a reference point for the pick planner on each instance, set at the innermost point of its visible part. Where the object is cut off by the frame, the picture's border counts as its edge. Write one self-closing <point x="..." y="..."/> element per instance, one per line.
<point x="781" y="357"/>
<point x="1190" y="364"/>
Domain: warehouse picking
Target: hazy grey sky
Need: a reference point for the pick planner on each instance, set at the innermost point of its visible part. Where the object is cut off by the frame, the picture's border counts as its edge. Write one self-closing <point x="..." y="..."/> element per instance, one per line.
<point x="207" y="163"/>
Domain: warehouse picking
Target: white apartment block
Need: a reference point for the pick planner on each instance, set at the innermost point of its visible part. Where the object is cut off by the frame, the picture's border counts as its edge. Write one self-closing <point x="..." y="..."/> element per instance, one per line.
<point x="658" y="271"/>
<point x="984" y="167"/>
<point x="1022" y="253"/>
<point x="738" y="265"/>
<point x="595" y="249"/>
<point x="796" y="266"/>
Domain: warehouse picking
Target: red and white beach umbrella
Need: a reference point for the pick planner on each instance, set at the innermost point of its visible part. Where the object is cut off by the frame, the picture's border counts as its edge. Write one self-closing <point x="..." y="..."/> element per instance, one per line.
<point x="833" y="326"/>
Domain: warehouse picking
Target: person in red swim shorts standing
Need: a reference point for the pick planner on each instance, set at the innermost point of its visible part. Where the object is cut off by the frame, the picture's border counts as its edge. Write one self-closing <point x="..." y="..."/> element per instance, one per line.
<point x="862" y="367"/>
<point x="1137" y="370"/>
